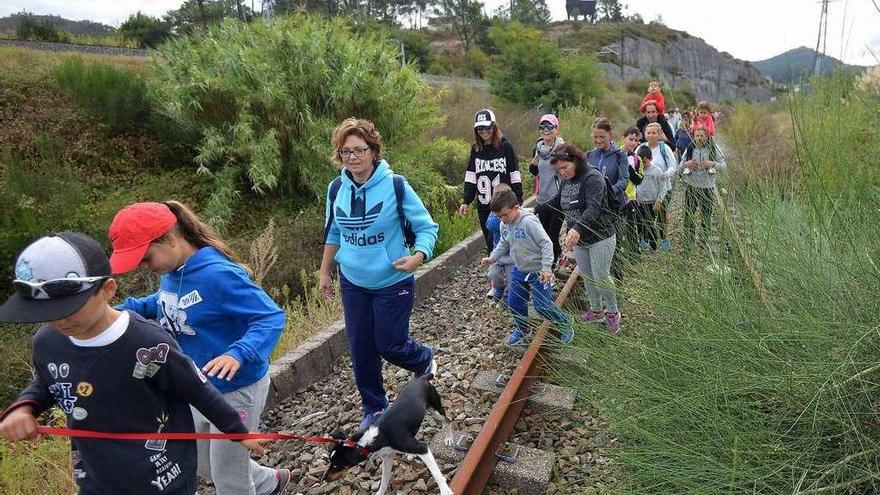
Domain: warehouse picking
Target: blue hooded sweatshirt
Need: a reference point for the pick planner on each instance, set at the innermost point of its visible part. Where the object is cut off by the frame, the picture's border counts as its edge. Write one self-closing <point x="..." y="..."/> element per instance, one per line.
<point x="212" y="307"/>
<point x="366" y="227"/>
<point x="613" y="164"/>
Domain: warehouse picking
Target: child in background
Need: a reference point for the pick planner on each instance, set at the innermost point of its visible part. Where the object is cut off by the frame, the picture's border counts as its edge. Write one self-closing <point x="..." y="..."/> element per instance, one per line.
<point x="109" y="371"/>
<point x="682" y="136"/>
<point x="629" y="239"/>
<point x="655" y="94"/>
<point x="499" y="272"/>
<point x="704" y="118"/>
<point x="531" y="276"/>
<point x="650" y="193"/>
<point x="700" y="161"/>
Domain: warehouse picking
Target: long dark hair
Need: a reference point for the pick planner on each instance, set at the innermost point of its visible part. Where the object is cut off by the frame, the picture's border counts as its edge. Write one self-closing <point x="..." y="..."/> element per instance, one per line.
<point x="191" y="228"/>
<point x="495" y="140"/>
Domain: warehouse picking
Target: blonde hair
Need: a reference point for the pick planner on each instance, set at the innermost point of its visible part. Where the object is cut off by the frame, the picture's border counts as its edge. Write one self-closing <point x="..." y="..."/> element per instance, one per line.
<point x="654" y="125"/>
<point x="361" y="128"/>
<point x="191" y="228"/>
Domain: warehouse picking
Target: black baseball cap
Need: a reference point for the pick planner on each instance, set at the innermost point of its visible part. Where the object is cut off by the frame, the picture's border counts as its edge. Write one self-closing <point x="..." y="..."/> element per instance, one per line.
<point x="73" y="264"/>
<point x="484" y="118"/>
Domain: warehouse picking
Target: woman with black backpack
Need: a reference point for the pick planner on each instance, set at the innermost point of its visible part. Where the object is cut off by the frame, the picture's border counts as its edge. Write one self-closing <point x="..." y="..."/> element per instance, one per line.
<point x="586" y="203"/>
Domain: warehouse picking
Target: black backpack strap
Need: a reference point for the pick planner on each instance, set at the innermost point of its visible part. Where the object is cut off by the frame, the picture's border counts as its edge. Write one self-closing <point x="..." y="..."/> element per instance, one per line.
<point x="399" y="191"/>
<point x="334" y="190"/>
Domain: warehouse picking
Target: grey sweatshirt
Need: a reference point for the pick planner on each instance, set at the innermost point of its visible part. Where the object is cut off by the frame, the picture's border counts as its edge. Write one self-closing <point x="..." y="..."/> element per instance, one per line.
<point x="653" y="187"/>
<point x="549" y="181"/>
<point x="529" y="245"/>
<point x="700" y="177"/>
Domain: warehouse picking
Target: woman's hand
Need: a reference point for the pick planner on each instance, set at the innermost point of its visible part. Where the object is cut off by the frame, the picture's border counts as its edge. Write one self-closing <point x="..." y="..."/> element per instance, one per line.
<point x="20" y="424"/>
<point x="325" y="286"/>
<point x="256" y="445"/>
<point x="708" y="164"/>
<point x="224" y="366"/>
<point x="572" y="238"/>
<point x="691" y="164"/>
<point x="463" y="210"/>
<point x="409" y="263"/>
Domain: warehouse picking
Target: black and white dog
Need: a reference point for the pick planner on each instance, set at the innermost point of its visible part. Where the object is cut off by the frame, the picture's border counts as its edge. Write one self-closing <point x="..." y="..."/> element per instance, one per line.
<point x="395" y="432"/>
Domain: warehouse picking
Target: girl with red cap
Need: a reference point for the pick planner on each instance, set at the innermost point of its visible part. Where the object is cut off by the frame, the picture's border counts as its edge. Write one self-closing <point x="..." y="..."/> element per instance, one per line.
<point x="222" y="320"/>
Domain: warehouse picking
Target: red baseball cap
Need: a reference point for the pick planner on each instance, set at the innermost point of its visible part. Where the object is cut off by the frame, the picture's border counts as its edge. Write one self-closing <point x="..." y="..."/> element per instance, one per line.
<point x="132" y="231"/>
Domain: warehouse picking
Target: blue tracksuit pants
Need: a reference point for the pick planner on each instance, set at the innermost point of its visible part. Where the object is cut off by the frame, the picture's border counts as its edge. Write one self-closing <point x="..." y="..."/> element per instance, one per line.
<point x="524" y="285"/>
<point x="377" y="326"/>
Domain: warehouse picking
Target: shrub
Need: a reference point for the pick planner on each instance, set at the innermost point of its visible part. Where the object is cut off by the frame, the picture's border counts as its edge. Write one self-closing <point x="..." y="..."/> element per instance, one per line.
<point x="265" y="97"/>
<point x="530" y="69"/>
<point x="117" y="97"/>
<point x="146" y="31"/>
<point x="29" y="29"/>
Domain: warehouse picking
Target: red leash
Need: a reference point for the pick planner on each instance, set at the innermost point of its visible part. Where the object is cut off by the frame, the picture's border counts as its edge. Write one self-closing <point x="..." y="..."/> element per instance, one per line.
<point x="70" y="432"/>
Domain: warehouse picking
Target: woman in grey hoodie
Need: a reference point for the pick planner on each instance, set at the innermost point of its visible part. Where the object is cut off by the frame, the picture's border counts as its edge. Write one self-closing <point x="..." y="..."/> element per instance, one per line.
<point x="547" y="185"/>
<point x="584" y="201"/>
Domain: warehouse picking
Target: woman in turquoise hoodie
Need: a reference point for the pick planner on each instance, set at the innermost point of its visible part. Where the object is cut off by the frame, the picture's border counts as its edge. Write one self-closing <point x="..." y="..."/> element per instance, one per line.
<point x="222" y="320"/>
<point x="379" y="232"/>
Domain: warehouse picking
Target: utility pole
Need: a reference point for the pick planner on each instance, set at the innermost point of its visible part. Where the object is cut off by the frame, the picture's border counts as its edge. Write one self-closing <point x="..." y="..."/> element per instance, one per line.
<point x="821" y="39"/>
<point x="620" y="58"/>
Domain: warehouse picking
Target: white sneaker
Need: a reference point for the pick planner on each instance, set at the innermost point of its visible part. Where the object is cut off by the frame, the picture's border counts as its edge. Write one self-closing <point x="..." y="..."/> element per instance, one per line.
<point x="491" y="293"/>
<point x="686" y="171"/>
<point x="711" y="170"/>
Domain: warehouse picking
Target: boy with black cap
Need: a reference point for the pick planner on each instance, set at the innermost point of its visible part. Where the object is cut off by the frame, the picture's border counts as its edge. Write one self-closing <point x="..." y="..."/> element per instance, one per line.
<point x="108" y="370"/>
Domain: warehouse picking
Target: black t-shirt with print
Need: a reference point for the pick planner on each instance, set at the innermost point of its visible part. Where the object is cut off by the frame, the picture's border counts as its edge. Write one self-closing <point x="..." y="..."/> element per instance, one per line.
<point x="139" y="383"/>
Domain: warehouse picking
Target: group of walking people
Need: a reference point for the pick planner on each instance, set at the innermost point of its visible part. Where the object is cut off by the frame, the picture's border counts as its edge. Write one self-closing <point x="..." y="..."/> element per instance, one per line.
<point x="194" y="355"/>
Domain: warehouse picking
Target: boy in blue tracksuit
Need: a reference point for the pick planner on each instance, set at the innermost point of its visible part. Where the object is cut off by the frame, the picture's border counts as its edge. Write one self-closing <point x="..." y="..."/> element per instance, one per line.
<point x="219" y="316"/>
<point x="523" y="236"/>
<point x="365" y="235"/>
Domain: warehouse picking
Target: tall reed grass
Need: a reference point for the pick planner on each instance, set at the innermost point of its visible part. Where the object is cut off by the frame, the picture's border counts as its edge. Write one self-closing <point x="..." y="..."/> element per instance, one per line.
<point x="716" y="390"/>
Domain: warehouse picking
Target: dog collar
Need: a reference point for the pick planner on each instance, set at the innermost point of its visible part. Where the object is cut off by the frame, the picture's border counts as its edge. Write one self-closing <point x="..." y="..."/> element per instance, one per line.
<point x="351" y="443"/>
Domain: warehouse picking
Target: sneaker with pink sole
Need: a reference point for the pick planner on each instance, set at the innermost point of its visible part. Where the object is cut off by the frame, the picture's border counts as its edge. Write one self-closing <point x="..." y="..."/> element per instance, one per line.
<point x="612" y="322"/>
<point x="593" y="316"/>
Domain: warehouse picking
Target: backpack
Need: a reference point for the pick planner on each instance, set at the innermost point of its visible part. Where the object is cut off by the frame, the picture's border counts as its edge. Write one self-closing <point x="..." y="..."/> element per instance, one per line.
<point x="613" y="201"/>
<point x="409" y="236"/>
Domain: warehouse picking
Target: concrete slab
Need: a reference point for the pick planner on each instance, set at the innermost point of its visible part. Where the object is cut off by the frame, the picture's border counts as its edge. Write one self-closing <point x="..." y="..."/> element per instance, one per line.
<point x="528" y="473"/>
<point x="544" y="397"/>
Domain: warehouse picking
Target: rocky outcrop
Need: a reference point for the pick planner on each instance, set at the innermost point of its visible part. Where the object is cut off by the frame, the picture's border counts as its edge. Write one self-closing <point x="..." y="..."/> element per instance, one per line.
<point x="688" y="61"/>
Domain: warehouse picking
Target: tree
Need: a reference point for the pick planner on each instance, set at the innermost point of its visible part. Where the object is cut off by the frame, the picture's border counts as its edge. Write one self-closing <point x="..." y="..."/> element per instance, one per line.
<point x="464" y="18"/>
<point x="204" y="13"/>
<point x="29" y="29"/>
<point x="530" y="13"/>
<point x="264" y="98"/>
<point x="610" y="10"/>
<point x="530" y="69"/>
<point x="148" y="31"/>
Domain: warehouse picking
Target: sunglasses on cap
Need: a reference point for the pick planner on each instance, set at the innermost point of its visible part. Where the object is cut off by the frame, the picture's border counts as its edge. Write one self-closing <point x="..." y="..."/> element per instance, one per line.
<point x="487" y="128"/>
<point x="55" y="288"/>
<point x="547" y="127"/>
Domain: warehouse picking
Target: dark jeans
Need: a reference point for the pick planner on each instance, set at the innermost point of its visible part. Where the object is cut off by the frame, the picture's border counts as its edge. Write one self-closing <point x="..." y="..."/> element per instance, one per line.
<point x="483" y="214"/>
<point x="551" y="219"/>
<point x="663" y="215"/>
<point x="699" y="205"/>
<point x="646" y="223"/>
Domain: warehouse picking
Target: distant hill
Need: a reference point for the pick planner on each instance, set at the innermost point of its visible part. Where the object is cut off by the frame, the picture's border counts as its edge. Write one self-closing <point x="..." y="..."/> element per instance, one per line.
<point x="797" y="64"/>
<point x="8" y="24"/>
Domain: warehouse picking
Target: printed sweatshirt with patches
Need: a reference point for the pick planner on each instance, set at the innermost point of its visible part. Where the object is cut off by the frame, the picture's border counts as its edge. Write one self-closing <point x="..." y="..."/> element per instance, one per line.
<point x="366" y="227"/>
<point x="527" y="242"/>
<point x="139" y="383"/>
<point x="486" y="169"/>
<point x="213" y="307"/>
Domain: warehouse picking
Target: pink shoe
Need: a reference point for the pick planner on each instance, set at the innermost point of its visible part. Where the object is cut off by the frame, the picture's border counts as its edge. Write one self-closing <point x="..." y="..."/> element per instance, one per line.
<point x="593" y="316"/>
<point x="612" y="322"/>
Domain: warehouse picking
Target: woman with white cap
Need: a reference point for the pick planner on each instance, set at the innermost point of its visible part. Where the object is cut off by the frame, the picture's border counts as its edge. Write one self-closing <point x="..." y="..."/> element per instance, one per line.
<point x="547" y="183"/>
<point x="493" y="161"/>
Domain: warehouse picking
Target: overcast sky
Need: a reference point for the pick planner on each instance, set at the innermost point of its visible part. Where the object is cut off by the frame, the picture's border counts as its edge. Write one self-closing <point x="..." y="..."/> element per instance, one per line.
<point x="748" y="29"/>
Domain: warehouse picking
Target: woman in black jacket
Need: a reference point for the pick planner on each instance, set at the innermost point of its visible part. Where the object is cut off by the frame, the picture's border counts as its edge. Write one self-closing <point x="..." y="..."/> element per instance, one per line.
<point x="584" y="201"/>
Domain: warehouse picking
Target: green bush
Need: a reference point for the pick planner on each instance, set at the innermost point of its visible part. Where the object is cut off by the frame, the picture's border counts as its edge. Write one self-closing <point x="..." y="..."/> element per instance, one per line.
<point x="145" y="30"/>
<point x="117" y="97"/>
<point x="726" y="385"/>
<point x="30" y="29"/>
<point x="265" y="98"/>
<point x="532" y="70"/>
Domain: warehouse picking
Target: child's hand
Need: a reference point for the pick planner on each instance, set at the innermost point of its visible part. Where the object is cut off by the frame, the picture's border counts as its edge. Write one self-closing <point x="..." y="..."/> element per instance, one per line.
<point x="564" y="261"/>
<point x="256" y="446"/>
<point x="572" y="238"/>
<point x="20" y="424"/>
<point x="463" y="210"/>
<point x="486" y="261"/>
<point x="545" y="277"/>
<point x="658" y="206"/>
<point x="691" y="164"/>
<point x="708" y="164"/>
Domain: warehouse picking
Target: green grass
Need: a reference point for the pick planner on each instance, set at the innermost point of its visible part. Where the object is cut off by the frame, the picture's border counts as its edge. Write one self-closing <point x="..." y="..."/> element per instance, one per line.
<point x="716" y="389"/>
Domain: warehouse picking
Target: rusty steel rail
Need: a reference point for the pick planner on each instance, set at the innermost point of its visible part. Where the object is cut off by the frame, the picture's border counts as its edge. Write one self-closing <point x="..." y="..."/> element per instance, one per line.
<point x="476" y="467"/>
